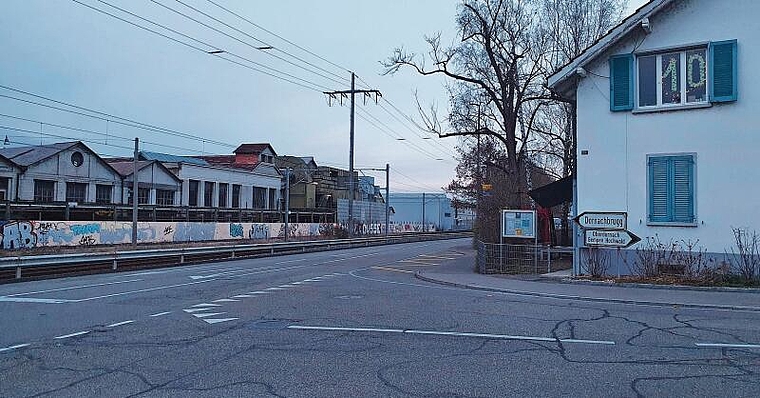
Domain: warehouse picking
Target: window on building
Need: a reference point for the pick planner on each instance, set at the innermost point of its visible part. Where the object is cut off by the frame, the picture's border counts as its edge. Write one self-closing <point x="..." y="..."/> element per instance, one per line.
<point x="208" y="194"/>
<point x="673" y="78"/>
<point x="671" y="189"/>
<point x="193" y="193"/>
<point x="76" y="192"/>
<point x="4" y="187"/>
<point x="259" y="197"/>
<point x="164" y="197"/>
<point x="272" y="196"/>
<point x="44" y="191"/>
<point x="223" y="195"/>
<point x="103" y="194"/>
<point x="267" y="158"/>
<point x="235" y="195"/>
<point x="143" y="196"/>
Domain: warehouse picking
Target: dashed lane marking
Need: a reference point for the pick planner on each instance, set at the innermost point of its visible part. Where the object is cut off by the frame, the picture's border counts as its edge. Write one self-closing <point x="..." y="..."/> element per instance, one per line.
<point x="66" y="336"/>
<point x="161" y="314"/>
<point x="437" y="257"/>
<point x="208" y="314"/>
<point x="258" y="292"/>
<point x="393" y="269"/>
<point x="226" y="300"/>
<point x="239" y="296"/>
<point x="14" y="347"/>
<point x="113" y="325"/>
<point x="213" y="321"/>
<point x="206" y="305"/>
<point x="191" y="310"/>
<point x="416" y="262"/>
<point x="723" y="345"/>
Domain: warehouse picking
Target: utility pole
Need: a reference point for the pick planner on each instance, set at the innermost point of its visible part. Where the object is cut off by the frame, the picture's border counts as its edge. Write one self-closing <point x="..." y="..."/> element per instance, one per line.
<point x="424" y="222"/>
<point x="134" y="193"/>
<point x="342" y="94"/>
<point x="287" y="202"/>
<point x="387" y="197"/>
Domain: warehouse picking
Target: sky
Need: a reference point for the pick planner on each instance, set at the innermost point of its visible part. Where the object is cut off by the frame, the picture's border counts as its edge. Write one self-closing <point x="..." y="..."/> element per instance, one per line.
<point x="68" y="52"/>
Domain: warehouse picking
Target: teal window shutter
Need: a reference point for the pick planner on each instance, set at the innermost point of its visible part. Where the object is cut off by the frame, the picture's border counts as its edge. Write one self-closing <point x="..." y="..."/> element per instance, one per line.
<point x="682" y="188"/>
<point x="723" y="71"/>
<point x="671" y="189"/>
<point x="658" y="189"/>
<point x="621" y="82"/>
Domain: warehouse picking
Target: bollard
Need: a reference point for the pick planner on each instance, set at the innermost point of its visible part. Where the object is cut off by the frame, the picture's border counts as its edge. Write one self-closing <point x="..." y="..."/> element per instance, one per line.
<point x="18" y="272"/>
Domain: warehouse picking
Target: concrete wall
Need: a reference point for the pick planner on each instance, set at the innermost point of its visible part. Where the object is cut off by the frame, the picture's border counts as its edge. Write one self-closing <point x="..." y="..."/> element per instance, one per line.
<point x="724" y="137"/>
<point x="31" y="234"/>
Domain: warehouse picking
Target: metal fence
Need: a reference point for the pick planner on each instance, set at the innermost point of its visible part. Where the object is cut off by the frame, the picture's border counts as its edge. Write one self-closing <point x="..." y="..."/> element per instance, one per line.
<point x="494" y="258"/>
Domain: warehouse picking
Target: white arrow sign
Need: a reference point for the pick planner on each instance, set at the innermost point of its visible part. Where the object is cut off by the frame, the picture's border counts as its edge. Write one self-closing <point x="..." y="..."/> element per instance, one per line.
<point x="603" y="220"/>
<point x="598" y="237"/>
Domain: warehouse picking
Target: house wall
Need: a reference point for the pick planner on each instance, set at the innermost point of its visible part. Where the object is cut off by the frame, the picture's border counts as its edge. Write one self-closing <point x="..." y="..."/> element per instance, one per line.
<point x="247" y="180"/>
<point x="724" y="137"/>
<point x="59" y="168"/>
<point x="439" y="215"/>
<point x="154" y="177"/>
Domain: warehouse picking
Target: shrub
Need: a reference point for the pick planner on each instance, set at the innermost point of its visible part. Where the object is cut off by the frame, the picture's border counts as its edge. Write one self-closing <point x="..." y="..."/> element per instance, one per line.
<point x="747" y="253"/>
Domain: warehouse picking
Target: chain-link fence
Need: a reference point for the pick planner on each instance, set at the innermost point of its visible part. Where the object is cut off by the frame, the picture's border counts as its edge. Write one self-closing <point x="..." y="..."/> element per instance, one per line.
<point x="494" y="258"/>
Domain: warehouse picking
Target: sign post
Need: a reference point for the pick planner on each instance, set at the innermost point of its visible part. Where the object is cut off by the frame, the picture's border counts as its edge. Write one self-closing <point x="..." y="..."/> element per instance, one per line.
<point x="519" y="224"/>
<point x="606" y="229"/>
<point x="603" y="238"/>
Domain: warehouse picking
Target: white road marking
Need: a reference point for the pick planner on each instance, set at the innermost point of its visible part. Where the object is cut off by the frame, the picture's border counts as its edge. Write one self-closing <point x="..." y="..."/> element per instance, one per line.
<point x="225" y="301"/>
<point x="454" y="334"/>
<point x="436" y="257"/>
<point x="161" y="313"/>
<point x="190" y="311"/>
<point x="205" y="305"/>
<point x="297" y="283"/>
<point x="150" y="289"/>
<point x="113" y="325"/>
<point x="275" y="288"/>
<point x="258" y="292"/>
<point x="722" y="345"/>
<point x="14" y="347"/>
<point x="208" y="314"/>
<point x="416" y="262"/>
<point x="393" y="269"/>
<point x="66" y="336"/>
<point x="61" y="289"/>
<point x="242" y="296"/>
<point x="286" y="286"/>
<point x="292" y="261"/>
<point x="33" y="300"/>
<point x="213" y="321"/>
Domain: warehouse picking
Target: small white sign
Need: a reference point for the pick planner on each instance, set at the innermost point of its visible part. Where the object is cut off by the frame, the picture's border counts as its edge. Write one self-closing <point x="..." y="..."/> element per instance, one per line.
<point x="518" y="224"/>
<point x="607" y="238"/>
<point x="603" y="220"/>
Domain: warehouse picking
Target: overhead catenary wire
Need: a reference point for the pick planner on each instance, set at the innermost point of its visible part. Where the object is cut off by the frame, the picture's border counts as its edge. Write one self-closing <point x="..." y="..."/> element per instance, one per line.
<point x="236" y="38"/>
<point x="110" y="118"/>
<point x="343" y="79"/>
<point x="344" y="69"/>
<point x="205" y="51"/>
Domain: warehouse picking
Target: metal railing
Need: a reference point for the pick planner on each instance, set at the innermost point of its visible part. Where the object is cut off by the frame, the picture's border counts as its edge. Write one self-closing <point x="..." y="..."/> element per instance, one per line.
<point x="185" y="255"/>
<point x="495" y="258"/>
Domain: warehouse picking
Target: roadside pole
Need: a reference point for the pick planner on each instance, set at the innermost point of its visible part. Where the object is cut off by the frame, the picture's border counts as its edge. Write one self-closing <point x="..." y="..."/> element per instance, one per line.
<point x="287" y="202"/>
<point x="134" y="193"/>
<point x="387" y="197"/>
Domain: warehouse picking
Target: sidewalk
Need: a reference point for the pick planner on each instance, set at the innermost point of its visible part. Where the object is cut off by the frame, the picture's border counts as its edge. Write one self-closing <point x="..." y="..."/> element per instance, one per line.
<point x="461" y="274"/>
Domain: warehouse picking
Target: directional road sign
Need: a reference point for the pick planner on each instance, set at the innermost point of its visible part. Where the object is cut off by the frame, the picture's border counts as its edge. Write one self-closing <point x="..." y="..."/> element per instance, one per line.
<point x="603" y="220"/>
<point x="607" y="238"/>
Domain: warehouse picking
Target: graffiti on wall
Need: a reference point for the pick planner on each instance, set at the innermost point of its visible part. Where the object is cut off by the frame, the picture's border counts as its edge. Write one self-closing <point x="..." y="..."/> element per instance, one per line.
<point x="16" y="235"/>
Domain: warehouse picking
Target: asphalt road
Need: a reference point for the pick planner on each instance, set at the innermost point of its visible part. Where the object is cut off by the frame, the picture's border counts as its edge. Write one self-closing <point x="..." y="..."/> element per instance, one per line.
<point x="355" y="323"/>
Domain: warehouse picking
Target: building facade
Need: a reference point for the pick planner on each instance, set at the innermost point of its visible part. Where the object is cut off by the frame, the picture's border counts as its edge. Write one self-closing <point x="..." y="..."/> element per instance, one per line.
<point x="666" y="121"/>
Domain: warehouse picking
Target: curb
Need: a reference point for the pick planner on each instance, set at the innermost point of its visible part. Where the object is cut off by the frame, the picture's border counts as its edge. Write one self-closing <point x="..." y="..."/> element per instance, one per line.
<point x="724" y="289"/>
<point x="418" y="275"/>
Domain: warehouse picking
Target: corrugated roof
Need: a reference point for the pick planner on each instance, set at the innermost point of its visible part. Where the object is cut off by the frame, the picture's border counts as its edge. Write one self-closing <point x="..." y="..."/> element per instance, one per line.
<point x="29" y="155"/>
<point x="167" y="158"/>
<point x="125" y="168"/>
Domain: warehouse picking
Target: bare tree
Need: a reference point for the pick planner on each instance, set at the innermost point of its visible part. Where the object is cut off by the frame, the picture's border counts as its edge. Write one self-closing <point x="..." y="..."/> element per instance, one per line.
<point x="495" y="64"/>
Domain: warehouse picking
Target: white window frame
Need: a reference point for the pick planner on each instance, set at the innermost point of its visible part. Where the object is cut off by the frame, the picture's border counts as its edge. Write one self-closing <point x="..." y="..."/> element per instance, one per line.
<point x="682" y="75"/>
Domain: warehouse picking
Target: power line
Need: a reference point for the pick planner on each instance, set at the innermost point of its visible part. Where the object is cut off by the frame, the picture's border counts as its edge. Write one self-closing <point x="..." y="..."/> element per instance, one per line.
<point x="209" y="52"/>
<point x="280" y="37"/>
<point x="106" y="135"/>
<point x="342" y="79"/>
<point x="108" y="117"/>
<point x="237" y="39"/>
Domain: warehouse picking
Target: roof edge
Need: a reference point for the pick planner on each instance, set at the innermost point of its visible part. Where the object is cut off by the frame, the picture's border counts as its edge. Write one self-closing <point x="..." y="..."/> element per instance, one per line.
<point x="605" y="42"/>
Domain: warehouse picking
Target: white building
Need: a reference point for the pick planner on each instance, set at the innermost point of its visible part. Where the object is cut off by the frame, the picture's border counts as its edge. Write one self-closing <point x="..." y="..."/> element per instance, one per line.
<point x="667" y="120"/>
<point x="62" y="172"/>
<point x="431" y="210"/>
